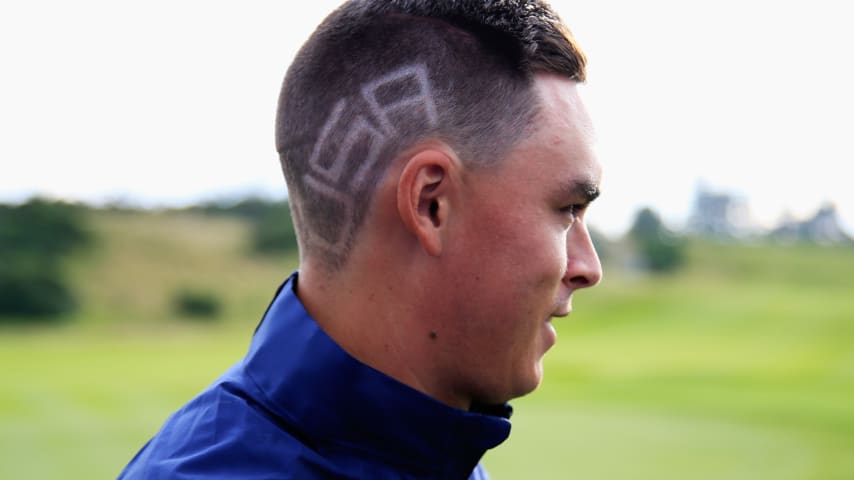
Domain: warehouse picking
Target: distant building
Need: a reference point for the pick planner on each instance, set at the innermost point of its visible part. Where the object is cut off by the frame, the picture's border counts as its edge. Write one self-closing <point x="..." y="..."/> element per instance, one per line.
<point x="720" y="215"/>
<point x="823" y="227"/>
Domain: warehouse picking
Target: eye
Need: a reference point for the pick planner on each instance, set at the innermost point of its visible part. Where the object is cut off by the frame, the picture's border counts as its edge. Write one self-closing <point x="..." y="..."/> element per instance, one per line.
<point x="570" y="212"/>
<point x="573" y="212"/>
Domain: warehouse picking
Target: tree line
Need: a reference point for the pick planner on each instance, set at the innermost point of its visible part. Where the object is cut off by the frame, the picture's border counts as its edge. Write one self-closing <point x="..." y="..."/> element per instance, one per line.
<point x="38" y="237"/>
<point x="35" y="239"/>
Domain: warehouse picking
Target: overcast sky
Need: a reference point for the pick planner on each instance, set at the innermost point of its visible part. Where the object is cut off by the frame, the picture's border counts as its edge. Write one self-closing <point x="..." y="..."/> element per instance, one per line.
<point x="169" y="102"/>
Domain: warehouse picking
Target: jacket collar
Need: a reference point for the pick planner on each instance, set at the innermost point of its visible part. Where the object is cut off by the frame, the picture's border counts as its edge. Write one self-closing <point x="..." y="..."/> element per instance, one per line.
<point x="312" y="384"/>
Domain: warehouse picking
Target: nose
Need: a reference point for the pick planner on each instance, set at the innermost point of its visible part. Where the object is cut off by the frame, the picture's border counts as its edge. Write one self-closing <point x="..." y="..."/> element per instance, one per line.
<point x="583" y="266"/>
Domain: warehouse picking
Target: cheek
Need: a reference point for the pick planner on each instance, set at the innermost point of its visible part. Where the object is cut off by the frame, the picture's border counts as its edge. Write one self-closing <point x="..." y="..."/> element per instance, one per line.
<point x="522" y="269"/>
<point x="541" y="259"/>
<point x="507" y="269"/>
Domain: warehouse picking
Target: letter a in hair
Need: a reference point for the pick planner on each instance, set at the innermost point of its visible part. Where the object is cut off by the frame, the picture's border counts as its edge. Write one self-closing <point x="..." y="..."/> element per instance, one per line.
<point x="329" y="180"/>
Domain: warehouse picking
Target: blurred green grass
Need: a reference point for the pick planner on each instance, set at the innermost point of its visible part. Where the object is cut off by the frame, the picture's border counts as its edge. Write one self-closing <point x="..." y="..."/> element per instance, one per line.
<point x="739" y="366"/>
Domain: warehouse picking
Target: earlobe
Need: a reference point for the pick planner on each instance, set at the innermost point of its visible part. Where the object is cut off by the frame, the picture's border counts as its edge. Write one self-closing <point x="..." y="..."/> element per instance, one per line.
<point x="422" y="197"/>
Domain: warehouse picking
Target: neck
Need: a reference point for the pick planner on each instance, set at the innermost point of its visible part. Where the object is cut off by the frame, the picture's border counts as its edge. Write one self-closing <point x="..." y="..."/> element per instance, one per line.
<point x="381" y="316"/>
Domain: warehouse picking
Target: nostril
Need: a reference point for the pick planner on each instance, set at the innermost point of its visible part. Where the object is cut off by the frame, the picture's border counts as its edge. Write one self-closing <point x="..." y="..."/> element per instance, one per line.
<point x="586" y="278"/>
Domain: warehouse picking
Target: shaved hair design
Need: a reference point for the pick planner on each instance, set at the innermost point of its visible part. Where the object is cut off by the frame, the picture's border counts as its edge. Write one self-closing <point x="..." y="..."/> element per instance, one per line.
<point x="378" y="76"/>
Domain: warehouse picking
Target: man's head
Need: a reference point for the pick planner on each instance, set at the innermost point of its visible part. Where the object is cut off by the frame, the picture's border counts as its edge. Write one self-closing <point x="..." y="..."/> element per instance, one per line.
<point x="378" y="76"/>
<point x="438" y="158"/>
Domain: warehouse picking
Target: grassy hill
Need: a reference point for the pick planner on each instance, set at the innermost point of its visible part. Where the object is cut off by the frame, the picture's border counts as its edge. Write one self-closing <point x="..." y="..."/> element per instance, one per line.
<point x="142" y="259"/>
<point x="741" y="365"/>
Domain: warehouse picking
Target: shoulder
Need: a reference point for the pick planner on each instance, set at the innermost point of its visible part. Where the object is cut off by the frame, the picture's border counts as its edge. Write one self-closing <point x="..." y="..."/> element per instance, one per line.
<point x="222" y="433"/>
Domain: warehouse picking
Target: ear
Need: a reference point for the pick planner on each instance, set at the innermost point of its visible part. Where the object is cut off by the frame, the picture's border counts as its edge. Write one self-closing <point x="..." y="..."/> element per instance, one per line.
<point x="423" y="197"/>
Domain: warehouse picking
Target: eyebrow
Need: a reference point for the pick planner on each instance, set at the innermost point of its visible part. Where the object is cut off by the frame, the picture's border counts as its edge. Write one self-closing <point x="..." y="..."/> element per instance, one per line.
<point x="587" y="190"/>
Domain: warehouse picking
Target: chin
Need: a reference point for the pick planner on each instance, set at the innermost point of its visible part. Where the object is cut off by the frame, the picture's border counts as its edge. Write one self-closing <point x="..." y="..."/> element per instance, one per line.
<point x="521" y="382"/>
<point x="529" y="382"/>
<point x="520" y="388"/>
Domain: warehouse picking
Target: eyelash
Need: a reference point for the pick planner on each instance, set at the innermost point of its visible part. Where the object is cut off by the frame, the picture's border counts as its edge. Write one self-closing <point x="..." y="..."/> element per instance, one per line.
<point x="574" y="210"/>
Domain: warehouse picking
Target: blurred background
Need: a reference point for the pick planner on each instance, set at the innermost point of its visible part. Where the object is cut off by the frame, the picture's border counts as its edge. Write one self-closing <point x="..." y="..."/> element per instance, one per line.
<point x="144" y="229"/>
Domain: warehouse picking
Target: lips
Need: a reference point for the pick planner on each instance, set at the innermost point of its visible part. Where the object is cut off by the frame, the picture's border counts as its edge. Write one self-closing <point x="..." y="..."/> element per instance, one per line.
<point x="563" y="308"/>
<point x="551" y="334"/>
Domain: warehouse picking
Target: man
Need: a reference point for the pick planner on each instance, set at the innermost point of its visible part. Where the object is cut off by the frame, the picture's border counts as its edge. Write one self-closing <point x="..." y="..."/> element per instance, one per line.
<point x="438" y="165"/>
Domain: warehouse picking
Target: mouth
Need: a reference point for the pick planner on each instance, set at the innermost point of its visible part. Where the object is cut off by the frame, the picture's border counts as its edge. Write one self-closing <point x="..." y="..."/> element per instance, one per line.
<point x="561" y="312"/>
<point x="563" y="309"/>
<point x="551" y="334"/>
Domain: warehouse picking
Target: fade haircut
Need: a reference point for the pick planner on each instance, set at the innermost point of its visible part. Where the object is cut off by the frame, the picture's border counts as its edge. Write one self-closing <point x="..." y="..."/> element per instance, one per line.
<point x="378" y="76"/>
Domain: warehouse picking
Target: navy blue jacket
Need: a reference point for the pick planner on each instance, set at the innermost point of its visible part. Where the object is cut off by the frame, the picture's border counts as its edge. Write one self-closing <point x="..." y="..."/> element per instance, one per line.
<point x="299" y="407"/>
